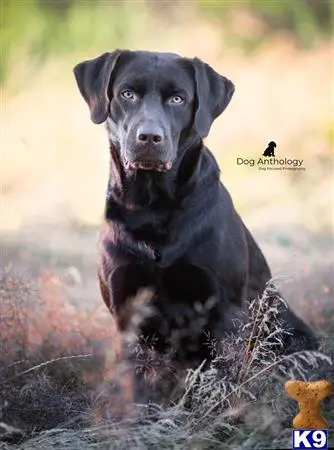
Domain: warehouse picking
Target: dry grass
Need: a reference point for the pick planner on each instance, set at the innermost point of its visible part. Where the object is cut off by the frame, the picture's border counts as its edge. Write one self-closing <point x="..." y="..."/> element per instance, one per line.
<point x="238" y="402"/>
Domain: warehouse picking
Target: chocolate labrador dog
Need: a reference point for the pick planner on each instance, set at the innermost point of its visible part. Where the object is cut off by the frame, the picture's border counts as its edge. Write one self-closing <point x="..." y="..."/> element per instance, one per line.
<point x="170" y="224"/>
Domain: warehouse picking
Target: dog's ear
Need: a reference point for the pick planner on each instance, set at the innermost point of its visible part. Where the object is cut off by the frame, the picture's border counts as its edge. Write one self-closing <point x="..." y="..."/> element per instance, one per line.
<point x="213" y="94"/>
<point x="93" y="78"/>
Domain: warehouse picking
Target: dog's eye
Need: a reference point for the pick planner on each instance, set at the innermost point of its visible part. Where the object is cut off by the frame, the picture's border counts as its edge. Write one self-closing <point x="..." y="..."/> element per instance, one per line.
<point x="176" y="99"/>
<point x="128" y="94"/>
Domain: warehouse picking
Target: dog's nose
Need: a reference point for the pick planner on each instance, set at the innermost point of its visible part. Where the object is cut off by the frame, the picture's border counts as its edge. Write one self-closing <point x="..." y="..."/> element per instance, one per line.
<point x="151" y="135"/>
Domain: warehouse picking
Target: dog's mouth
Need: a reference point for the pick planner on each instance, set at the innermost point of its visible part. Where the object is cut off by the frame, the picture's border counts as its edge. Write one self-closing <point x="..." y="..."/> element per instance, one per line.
<point x="158" y="166"/>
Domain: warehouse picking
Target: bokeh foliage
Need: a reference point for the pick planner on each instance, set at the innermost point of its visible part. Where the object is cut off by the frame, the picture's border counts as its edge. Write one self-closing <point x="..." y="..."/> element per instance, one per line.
<point x="306" y="19"/>
<point x="40" y="28"/>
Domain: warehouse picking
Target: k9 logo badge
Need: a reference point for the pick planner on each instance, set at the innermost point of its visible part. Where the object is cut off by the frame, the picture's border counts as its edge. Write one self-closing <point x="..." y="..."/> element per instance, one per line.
<point x="310" y="439"/>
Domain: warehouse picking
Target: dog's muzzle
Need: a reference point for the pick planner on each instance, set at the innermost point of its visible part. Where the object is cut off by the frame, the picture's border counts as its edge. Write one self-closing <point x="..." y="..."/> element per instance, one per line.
<point x="158" y="166"/>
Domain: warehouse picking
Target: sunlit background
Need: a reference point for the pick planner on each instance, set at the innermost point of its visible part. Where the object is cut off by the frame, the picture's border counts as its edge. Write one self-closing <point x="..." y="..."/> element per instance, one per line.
<point x="54" y="161"/>
<point x="57" y="339"/>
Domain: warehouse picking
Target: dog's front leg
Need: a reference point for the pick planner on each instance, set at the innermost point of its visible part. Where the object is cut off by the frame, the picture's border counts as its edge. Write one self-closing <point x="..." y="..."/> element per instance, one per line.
<point x="126" y="290"/>
<point x="130" y="287"/>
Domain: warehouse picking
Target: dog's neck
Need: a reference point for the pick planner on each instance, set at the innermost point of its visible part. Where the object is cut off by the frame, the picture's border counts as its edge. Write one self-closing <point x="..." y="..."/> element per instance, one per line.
<point x="133" y="190"/>
<point x="140" y="207"/>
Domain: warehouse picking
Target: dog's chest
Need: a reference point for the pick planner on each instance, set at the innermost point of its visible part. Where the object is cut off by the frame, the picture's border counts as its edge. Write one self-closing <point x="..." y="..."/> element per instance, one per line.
<point x="149" y="242"/>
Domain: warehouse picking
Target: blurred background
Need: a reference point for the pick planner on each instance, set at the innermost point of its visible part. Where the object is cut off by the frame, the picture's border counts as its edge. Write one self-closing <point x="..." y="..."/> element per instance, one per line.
<point x="54" y="161"/>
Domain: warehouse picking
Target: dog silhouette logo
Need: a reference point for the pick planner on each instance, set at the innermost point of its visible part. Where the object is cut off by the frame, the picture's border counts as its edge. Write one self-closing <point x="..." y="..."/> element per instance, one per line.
<point x="270" y="150"/>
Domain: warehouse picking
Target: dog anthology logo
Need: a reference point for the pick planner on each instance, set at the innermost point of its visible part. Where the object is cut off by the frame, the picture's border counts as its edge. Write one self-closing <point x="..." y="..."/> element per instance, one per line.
<point x="310" y="427"/>
<point x="269" y="161"/>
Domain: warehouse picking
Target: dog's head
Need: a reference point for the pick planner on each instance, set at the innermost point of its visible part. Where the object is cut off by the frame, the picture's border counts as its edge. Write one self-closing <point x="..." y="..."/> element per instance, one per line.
<point x="152" y="102"/>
